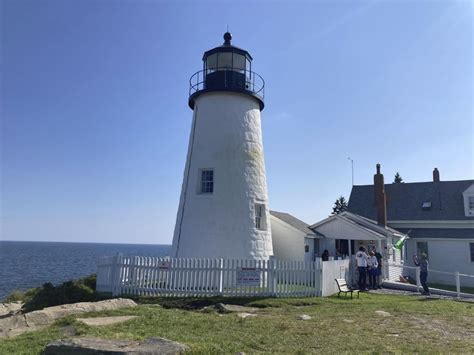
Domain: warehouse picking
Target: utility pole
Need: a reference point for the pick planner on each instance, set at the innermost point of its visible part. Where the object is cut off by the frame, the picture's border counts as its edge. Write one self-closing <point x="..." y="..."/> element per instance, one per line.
<point x="352" y="167"/>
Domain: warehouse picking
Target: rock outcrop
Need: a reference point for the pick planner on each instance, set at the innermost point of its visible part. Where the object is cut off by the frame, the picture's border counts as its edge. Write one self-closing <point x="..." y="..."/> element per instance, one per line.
<point x="102" y="321"/>
<point x="230" y="308"/>
<point x="9" y="309"/>
<point x="21" y="323"/>
<point x="148" y="346"/>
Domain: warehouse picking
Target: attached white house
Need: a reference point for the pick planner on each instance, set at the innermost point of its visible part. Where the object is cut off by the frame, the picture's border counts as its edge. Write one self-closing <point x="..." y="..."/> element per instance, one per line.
<point x="345" y="232"/>
<point x="438" y="217"/>
<point x="292" y="238"/>
<point x="341" y="235"/>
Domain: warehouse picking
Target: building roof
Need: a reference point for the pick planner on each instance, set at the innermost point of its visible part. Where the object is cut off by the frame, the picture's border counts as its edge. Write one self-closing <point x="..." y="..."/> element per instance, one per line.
<point x="439" y="233"/>
<point x="404" y="201"/>
<point x="361" y="222"/>
<point x="294" y="222"/>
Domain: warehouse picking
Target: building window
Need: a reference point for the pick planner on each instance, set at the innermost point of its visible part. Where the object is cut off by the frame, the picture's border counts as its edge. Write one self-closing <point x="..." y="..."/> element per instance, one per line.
<point x="422" y="247"/>
<point x="470" y="203"/>
<point x="426" y="206"/>
<point x="472" y="251"/>
<point x="468" y="197"/>
<point x="260" y="221"/>
<point x="206" y="183"/>
<point x="306" y="248"/>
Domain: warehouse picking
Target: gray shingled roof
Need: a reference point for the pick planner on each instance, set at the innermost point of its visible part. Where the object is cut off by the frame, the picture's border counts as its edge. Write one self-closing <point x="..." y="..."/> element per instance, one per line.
<point x="457" y="233"/>
<point x="404" y="201"/>
<point x="294" y="222"/>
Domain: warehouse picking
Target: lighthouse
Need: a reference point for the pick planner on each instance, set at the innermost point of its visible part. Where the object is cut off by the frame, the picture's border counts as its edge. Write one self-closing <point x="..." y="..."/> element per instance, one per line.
<point x="223" y="209"/>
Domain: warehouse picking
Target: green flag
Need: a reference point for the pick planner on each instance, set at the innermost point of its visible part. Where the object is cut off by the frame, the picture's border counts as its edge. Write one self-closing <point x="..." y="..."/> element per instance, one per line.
<point x="398" y="245"/>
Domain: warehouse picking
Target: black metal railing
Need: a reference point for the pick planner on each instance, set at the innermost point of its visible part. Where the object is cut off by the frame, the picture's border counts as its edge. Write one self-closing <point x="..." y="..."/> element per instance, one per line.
<point x="227" y="79"/>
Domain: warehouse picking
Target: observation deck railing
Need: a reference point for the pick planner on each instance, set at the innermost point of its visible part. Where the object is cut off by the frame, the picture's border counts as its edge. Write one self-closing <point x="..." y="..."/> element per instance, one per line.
<point x="230" y="79"/>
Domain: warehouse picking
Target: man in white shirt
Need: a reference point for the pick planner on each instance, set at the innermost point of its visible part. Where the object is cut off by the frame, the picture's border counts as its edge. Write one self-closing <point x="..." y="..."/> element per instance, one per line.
<point x="361" y="259"/>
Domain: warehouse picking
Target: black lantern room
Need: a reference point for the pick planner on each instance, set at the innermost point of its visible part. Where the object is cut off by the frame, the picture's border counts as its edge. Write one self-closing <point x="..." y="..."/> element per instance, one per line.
<point x="227" y="68"/>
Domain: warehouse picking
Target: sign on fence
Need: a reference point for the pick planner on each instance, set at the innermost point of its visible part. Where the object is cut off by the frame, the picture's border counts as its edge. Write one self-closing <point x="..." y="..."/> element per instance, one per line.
<point x="164" y="265"/>
<point x="248" y="276"/>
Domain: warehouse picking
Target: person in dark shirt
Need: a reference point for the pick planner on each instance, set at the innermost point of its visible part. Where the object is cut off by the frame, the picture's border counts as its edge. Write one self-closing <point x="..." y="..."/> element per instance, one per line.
<point x="423" y="264"/>
<point x="379" y="268"/>
<point x="325" y="255"/>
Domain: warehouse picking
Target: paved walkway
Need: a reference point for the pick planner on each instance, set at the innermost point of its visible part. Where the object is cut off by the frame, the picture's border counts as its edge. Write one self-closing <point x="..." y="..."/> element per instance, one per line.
<point x="389" y="291"/>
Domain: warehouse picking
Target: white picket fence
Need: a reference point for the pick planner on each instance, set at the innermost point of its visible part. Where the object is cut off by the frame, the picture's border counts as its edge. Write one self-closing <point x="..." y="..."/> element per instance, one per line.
<point x="154" y="276"/>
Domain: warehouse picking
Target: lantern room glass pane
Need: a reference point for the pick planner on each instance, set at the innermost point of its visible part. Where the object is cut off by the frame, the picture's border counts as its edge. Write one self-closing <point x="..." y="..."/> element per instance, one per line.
<point x="225" y="61"/>
<point x="211" y="62"/>
<point x="239" y="62"/>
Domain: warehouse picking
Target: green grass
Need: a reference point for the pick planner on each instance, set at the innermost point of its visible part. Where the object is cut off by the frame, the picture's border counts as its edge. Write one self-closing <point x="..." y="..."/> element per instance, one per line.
<point x="416" y="325"/>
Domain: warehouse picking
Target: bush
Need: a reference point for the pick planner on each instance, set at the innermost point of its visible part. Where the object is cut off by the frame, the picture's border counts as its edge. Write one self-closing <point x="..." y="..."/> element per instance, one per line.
<point x="82" y="290"/>
<point x="24" y="297"/>
<point x="89" y="281"/>
<point x="14" y="296"/>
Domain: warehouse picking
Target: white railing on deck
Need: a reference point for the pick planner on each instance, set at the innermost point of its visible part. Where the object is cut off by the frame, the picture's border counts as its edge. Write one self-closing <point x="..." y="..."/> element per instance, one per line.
<point x="397" y="270"/>
<point x="154" y="276"/>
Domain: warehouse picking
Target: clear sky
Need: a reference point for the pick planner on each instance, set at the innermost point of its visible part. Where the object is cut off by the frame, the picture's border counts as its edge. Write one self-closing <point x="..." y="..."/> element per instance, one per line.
<point x="95" y="122"/>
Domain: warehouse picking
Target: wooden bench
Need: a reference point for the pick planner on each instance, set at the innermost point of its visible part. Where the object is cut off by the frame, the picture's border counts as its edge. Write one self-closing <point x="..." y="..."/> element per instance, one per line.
<point x="342" y="286"/>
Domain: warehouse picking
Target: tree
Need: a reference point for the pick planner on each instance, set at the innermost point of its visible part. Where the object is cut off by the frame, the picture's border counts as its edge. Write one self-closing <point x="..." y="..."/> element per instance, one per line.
<point x="340" y="205"/>
<point x="398" y="179"/>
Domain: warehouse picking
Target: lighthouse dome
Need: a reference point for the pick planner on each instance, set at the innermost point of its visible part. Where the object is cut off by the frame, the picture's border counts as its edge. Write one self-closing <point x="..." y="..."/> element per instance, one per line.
<point x="227" y="68"/>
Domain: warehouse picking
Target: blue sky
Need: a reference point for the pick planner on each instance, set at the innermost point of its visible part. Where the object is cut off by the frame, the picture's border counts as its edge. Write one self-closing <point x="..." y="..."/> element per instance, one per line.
<point x="95" y="122"/>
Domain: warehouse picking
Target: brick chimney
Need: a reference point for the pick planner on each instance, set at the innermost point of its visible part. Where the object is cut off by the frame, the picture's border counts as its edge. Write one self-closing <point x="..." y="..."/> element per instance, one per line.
<point x="380" y="200"/>
<point x="436" y="175"/>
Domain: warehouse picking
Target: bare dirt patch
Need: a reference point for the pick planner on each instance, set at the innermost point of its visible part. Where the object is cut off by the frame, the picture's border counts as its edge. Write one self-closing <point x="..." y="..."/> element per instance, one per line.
<point x="442" y="327"/>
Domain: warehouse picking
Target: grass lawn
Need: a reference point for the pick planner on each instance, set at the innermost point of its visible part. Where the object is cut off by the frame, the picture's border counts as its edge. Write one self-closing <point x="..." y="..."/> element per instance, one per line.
<point x="415" y="324"/>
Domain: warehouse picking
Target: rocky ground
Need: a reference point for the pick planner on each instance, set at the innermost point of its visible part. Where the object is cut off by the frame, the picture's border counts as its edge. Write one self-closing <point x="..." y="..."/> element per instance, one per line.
<point x="16" y="324"/>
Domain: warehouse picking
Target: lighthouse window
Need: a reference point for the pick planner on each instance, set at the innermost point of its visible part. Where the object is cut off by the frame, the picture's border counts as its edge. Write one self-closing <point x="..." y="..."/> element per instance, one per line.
<point x="206" y="185"/>
<point x="212" y="62"/>
<point x="225" y="61"/>
<point x="260" y="222"/>
<point x="239" y="62"/>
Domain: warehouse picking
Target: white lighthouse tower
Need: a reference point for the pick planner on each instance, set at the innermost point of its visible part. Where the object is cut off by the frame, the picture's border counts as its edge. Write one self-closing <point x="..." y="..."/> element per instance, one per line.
<point x="223" y="210"/>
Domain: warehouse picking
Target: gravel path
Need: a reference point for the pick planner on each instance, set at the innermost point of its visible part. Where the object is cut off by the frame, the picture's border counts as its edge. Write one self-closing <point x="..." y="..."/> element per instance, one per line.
<point x="389" y="291"/>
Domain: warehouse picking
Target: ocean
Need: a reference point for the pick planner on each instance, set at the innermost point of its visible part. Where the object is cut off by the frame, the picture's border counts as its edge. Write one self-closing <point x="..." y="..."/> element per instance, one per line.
<point x="24" y="265"/>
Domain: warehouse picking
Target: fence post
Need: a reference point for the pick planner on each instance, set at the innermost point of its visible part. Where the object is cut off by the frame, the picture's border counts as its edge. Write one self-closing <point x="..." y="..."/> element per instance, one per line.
<point x="458" y="284"/>
<point x="272" y="276"/>
<point x="418" y="282"/>
<point x="221" y="276"/>
<point x="113" y="273"/>
<point x="116" y="281"/>
<point x="318" y="276"/>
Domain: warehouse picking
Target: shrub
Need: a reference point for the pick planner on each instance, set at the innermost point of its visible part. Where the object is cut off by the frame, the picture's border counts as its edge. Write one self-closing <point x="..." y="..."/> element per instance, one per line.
<point x="82" y="290"/>
<point x="14" y="296"/>
<point x="24" y="297"/>
<point x="89" y="281"/>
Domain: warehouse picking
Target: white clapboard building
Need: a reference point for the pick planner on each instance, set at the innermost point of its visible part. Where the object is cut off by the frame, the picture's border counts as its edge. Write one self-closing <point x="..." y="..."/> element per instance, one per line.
<point x="437" y="216"/>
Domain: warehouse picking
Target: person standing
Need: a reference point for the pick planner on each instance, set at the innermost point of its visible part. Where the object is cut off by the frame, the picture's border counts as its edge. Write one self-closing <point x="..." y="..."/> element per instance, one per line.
<point x="325" y="256"/>
<point x="361" y="259"/>
<point x="423" y="264"/>
<point x="372" y="266"/>
<point x="378" y="274"/>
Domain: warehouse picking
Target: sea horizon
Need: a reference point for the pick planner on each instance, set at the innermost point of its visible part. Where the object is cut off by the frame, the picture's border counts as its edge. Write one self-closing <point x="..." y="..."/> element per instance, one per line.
<point x="75" y="242"/>
<point x="29" y="264"/>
